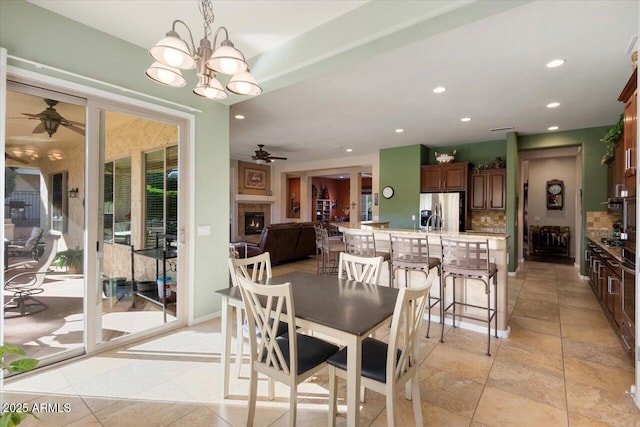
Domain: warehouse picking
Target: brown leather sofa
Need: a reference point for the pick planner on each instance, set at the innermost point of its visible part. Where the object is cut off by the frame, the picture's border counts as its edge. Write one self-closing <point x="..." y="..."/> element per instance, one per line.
<point x="284" y="242"/>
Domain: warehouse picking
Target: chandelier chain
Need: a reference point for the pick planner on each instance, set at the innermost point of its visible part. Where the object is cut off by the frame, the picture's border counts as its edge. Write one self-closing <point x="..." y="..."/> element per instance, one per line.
<point x="206" y="9"/>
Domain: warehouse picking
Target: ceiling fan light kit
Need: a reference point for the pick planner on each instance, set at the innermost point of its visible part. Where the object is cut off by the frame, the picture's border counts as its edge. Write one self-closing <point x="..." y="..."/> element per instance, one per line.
<point x="172" y="54"/>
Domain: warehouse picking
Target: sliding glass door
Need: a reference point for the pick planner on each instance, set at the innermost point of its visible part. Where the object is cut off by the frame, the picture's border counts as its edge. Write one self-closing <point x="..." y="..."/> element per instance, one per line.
<point x="95" y="206"/>
<point x="44" y="175"/>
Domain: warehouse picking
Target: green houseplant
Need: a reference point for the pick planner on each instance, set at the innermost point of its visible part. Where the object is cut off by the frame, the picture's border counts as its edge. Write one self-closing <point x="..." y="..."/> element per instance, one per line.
<point x="71" y="259"/>
<point x="15" y="416"/>
<point x="610" y="138"/>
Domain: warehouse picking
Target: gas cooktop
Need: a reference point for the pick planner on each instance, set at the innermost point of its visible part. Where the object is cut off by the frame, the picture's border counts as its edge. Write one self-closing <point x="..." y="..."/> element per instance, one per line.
<point x="611" y="242"/>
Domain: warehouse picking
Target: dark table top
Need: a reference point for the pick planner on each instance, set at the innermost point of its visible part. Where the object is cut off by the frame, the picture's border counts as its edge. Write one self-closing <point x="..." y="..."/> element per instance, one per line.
<point x="341" y="304"/>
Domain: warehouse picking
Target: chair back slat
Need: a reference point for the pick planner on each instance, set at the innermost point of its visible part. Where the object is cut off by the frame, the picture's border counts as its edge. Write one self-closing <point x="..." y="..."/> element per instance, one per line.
<point x="266" y="307"/>
<point x="361" y="244"/>
<point x="359" y="268"/>
<point x="405" y="249"/>
<point x="254" y="269"/>
<point x="404" y="335"/>
<point x="465" y="257"/>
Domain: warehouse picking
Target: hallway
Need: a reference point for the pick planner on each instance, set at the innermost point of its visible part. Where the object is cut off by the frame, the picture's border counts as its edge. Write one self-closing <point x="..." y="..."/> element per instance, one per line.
<point x="562" y="365"/>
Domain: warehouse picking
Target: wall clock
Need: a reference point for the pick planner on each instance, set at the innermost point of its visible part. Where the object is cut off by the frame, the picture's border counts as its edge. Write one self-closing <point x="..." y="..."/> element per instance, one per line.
<point x="555" y="194"/>
<point x="387" y="192"/>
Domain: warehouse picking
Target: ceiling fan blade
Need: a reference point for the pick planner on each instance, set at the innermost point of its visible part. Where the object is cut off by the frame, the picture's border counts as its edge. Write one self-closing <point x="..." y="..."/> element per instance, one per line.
<point x="73" y="122"/>
<point x="74" y="128"/>
<point x="31" y="116"/>
<point x="39" y="128"/>
<point x="276" y="158"/>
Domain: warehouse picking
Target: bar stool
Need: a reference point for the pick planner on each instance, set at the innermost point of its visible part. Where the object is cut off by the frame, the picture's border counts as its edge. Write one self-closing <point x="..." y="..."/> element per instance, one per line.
<point x="412" y="254"/>
<point x="363" y="243"/>
<point x="469" y="260"/>
<point x="327" y="250"/>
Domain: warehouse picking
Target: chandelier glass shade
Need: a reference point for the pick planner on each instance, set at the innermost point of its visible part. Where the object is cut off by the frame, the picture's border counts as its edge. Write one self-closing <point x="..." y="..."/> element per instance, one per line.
<point x="172" y="54"/>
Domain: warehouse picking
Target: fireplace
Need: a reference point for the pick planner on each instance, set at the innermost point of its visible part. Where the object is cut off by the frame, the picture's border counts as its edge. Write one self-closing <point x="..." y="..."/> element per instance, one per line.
<point x="253" y="222"/>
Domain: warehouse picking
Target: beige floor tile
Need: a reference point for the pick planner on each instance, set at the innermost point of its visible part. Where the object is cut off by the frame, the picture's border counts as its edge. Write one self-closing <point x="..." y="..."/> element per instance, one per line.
<point x="543" y="362"/>
<point x="576" y="420"/>
<point x="608" y="355"/>
<point x="535" y="325"/>
<point x="528" y="382"/>
<point x="449" y="391"/>
<point x="460" y="362"/>
<point x="598" y="334"/>
<point x="132" y="412"/>
<point x="598" y="375"/>
<point x="88" y="421"/>
<point x="500" y="408"/>
<point x="537" y="309"/>
<point x="526" y="339"/>
<point x="201" y="416"/>
<point x="614" y="408"/>
<point x="432" y="415"/>
<point x="574" y="316"/>
<point x="473" y="342"/>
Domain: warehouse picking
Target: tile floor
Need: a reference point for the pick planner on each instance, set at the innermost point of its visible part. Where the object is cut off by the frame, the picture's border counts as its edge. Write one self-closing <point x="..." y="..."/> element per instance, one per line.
<point x="562" y="365"/>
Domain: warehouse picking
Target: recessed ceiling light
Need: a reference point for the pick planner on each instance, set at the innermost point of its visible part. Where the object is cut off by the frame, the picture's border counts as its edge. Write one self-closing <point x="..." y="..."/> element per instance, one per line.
<point x="239" y="116"/>
<point x="553" y="104"/>
<point x="349" y="150"/>
<point x="399" y="130"/>
<point x="465" y="119"/>
<point x="439" y="89"/>
<point x="555" y="63"/>
<point x="553" y="128"/>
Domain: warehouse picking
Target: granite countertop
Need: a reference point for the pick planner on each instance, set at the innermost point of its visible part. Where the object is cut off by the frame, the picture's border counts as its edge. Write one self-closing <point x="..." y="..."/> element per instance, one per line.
<point x="470" y="233"/>
<point x="595" y="235"/>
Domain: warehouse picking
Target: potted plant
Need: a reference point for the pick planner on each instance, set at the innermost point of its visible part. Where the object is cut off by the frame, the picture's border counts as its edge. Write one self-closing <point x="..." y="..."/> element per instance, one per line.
<point x="71" y="259"/>
<point x="610" y="138"/>
<point x="16" y="413"/>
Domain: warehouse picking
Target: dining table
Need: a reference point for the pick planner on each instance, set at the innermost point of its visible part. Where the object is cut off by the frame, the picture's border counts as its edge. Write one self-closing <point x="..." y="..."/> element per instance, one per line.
<point x="343" y="311"/>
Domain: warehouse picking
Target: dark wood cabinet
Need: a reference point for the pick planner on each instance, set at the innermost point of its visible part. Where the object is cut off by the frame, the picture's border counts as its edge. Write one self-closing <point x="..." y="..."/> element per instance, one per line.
<point x="629" y="96"/>
<point x="488" y="190"/>
<point x="615" y="170"/>
<point x="444" y="177"/>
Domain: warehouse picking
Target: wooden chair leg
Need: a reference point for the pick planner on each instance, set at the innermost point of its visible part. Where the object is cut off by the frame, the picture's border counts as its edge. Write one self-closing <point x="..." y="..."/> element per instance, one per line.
<point x="415" y="396"/>
<point x="391" y="408"/>
<point x="239" y="341"/>
<point x="253" y="396"/>
<point x="333" y="391"/>
<point x="293" y="404"/>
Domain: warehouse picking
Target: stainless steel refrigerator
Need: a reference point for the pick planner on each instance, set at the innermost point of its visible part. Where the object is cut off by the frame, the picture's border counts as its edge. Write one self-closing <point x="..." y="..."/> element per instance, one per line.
<point x="446" y="211"/>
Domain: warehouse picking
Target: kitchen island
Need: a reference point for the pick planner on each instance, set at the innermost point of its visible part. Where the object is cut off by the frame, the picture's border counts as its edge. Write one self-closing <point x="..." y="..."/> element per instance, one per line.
<point x="471" y="292"/>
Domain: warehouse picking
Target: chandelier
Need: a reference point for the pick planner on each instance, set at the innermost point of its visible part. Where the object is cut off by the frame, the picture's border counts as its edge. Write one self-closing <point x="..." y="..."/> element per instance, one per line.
<point x="172" y="54"/>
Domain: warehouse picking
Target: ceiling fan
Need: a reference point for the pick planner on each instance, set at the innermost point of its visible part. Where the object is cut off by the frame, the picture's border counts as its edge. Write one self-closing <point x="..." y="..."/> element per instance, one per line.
<point x="263" y="157"/>
<point x="51" y="120"/>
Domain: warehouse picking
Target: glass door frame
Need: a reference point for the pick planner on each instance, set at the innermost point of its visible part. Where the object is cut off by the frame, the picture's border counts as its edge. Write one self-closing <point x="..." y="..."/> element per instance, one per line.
<point x="98" y="99"/>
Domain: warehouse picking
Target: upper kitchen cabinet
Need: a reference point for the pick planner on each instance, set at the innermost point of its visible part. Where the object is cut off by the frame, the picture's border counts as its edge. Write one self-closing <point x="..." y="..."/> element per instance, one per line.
<point x="488" y="190"/>
<point x="629" y="96"/>
<point x="444" y="177"/>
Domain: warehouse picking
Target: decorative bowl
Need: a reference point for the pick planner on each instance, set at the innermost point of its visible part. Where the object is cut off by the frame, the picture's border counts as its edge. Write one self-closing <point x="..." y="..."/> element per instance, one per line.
<point x="445" y="157"/>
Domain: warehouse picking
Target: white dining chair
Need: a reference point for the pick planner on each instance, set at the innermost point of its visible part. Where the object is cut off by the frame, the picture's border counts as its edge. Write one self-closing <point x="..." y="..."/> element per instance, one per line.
<point x="360" y="268"/>
<point x="255" y="269"/>
<point x="388" y="366"/>
<point x="289" y="358"/>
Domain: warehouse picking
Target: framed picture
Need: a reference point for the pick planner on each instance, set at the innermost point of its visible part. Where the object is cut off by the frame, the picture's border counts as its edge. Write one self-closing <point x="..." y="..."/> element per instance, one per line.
<point x="555" y="194"/>
<point x="256" y="179"/>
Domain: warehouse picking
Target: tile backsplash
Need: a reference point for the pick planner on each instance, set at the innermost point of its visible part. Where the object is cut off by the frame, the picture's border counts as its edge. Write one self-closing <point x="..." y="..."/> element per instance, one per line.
<point x="601" y="220"/>
<point x="488" y="219"/>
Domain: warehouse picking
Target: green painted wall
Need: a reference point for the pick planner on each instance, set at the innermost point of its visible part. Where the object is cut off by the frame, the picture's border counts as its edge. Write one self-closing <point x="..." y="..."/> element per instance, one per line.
<point x="400" y="168"/>
<point x="477" y="152"/>
<point x="33" y="33"/>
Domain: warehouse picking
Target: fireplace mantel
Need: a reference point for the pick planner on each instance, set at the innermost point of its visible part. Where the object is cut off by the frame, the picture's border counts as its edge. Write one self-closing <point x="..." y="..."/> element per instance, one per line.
<point x="252" y="198"/>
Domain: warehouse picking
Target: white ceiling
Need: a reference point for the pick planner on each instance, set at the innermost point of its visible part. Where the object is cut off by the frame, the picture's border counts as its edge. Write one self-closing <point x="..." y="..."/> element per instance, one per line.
<point x="493" y="69"/>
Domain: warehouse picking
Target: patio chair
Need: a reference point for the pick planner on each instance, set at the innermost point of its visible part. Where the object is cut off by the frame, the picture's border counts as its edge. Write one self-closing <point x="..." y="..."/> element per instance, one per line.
<point x="388" y="366"/>
<point x="27" y="282"/>
<point x="28" y="248"/>
<point x="289" y="358"/>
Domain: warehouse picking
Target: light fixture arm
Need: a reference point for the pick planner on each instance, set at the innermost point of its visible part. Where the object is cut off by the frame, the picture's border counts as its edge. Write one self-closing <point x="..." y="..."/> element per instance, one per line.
<point x="226" y="41"/>
<point x="174" y="33"/>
